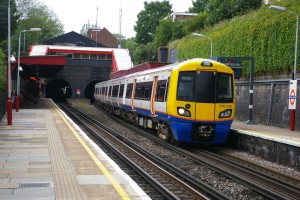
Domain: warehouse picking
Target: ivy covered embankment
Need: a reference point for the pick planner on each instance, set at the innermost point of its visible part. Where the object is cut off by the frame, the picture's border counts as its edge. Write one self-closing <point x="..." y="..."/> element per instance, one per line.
<point x="267" y="35"/>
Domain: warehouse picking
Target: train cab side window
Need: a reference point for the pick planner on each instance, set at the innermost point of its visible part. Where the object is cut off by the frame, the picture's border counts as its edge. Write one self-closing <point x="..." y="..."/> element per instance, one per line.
<point x="129" y="90"/>
<point x="224" y="88"/>
<point x="121" y="91"/>
<point x="161" y="91"/>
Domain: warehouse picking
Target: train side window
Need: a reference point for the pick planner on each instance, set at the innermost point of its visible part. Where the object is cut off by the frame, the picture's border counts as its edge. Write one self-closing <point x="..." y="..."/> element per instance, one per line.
<point x="110" y="91"/>
<point x="121" y="91"/>
<point x="142" y="91"/>
<point x="138" y="91"/>
<point x="115" y="91"/>
<point x="129" y="90"/>
<point x="161" y="91"/>
<point x="148" y="90"/>
<point x="106" y="91"/>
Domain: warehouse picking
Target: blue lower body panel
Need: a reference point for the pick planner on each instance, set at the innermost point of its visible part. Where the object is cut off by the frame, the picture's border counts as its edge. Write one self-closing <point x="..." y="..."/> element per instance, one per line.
<point x="191" y="132"/>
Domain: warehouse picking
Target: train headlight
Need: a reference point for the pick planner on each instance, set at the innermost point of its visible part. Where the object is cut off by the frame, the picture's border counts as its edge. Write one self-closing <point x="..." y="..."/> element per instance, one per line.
<point x="225" y="113"/>
<point x="183" y="112"/>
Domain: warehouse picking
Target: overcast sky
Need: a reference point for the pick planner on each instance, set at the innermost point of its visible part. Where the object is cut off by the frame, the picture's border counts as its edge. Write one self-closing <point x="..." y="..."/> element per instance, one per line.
<point x="73" y="14"/>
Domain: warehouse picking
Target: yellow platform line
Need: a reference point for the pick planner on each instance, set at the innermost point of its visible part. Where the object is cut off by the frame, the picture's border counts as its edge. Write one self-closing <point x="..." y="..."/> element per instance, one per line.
<point x="102" y="168"/>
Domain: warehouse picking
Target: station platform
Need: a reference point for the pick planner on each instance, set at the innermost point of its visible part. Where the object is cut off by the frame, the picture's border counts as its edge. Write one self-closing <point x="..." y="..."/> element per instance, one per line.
<point x="44" y="155"/>
<point x="277" y="134"/>
<point x="274" y="144"/>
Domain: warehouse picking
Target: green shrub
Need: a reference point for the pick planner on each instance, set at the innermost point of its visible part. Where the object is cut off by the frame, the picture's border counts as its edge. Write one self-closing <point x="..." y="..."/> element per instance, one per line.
<point x="2" y="72"/>
<point x="267" y="35"/>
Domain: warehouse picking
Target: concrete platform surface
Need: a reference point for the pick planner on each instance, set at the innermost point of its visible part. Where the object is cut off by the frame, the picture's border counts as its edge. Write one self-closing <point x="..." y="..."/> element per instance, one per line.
<point x="44" y="155"/>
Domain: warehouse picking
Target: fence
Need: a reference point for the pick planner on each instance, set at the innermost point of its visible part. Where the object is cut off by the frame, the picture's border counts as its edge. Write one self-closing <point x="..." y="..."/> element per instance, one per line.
<point x="3" y="102"/>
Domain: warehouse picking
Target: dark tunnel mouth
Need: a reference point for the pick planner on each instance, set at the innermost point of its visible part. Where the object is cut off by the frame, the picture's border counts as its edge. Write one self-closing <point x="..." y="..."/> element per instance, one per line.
<point x="55" y="90"/>
<point x="58" y="90"/>
<point x="89" y="90"/>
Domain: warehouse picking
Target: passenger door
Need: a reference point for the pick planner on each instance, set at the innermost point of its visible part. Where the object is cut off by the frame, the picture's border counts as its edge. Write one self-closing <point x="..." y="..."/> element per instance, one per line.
<point x="153" y="93"/>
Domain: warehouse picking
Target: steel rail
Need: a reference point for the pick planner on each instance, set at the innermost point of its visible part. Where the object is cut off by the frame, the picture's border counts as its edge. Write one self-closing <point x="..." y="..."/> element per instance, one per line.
<point x="286" y="191"/>
<point x="165" y="191"/>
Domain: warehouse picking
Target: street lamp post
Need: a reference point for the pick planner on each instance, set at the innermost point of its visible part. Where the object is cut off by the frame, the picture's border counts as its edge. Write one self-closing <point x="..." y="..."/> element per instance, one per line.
<point x="9" y="103"/>
<point x="211" y="45"/>
<point x="17" y="100"/>
<point x="282" y="9"/>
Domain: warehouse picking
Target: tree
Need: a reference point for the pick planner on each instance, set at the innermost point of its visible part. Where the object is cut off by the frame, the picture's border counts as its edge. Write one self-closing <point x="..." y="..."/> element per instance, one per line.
<point x="196" y="23"/>
<point x="24" y="7"/>
<point x="221" y="10"/>
<point x="36" y="16"/>
<point x="131" y="45"/>
<point x="144" y="53"/>
<point x="148" y="20"/>
<point x="2" y="72"/>
<point x="198" y="6"/>
<point x="164" y="33"/>
<point x="4" y="21"/>
<point x="84" y="30"/>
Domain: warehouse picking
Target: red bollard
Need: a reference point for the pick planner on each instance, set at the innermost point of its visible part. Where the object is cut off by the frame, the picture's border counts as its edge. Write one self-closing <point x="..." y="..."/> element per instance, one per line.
<point x="9" y="111"/>
<point x="17" y="103"/>
<point x="292" y="120"/>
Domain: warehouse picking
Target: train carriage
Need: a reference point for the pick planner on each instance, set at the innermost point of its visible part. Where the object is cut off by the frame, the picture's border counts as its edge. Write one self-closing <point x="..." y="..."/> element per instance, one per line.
<point x="191" y="101"/>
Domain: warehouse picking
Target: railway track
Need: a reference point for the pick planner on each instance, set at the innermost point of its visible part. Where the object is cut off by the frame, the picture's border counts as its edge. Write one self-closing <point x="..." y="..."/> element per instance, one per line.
<point x="269" y="184"/>
<point x="171" y="182"/>
<point x="265" y="184"/>
<point x="284" y="177"/>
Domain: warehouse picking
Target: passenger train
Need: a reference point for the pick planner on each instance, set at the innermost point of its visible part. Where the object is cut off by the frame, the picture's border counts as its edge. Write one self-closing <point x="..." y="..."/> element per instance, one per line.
<point x="190" y="102"/>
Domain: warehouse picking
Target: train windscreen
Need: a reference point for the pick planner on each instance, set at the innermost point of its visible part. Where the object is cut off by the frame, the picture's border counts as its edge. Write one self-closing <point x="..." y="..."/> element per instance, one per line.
<point x="205" y="87"/>
<point x="224" y="88"/>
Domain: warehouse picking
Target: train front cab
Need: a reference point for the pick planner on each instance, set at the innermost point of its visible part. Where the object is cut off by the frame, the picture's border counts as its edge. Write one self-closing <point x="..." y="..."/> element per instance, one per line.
<point x="202" y="105"/>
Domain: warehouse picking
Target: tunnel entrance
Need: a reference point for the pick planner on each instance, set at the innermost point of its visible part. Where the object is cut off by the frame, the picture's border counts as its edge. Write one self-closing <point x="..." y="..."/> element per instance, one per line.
<point x="89" y="90"/>
<point x="58" y="90"/>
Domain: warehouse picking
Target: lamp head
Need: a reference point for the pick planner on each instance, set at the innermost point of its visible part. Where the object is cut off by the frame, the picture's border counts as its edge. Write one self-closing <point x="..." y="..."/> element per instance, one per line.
<point x="35" y="29"/>
<point x="12" y="59"/>
<point x="277" y="8"/>
<point x="198" y="34"/>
